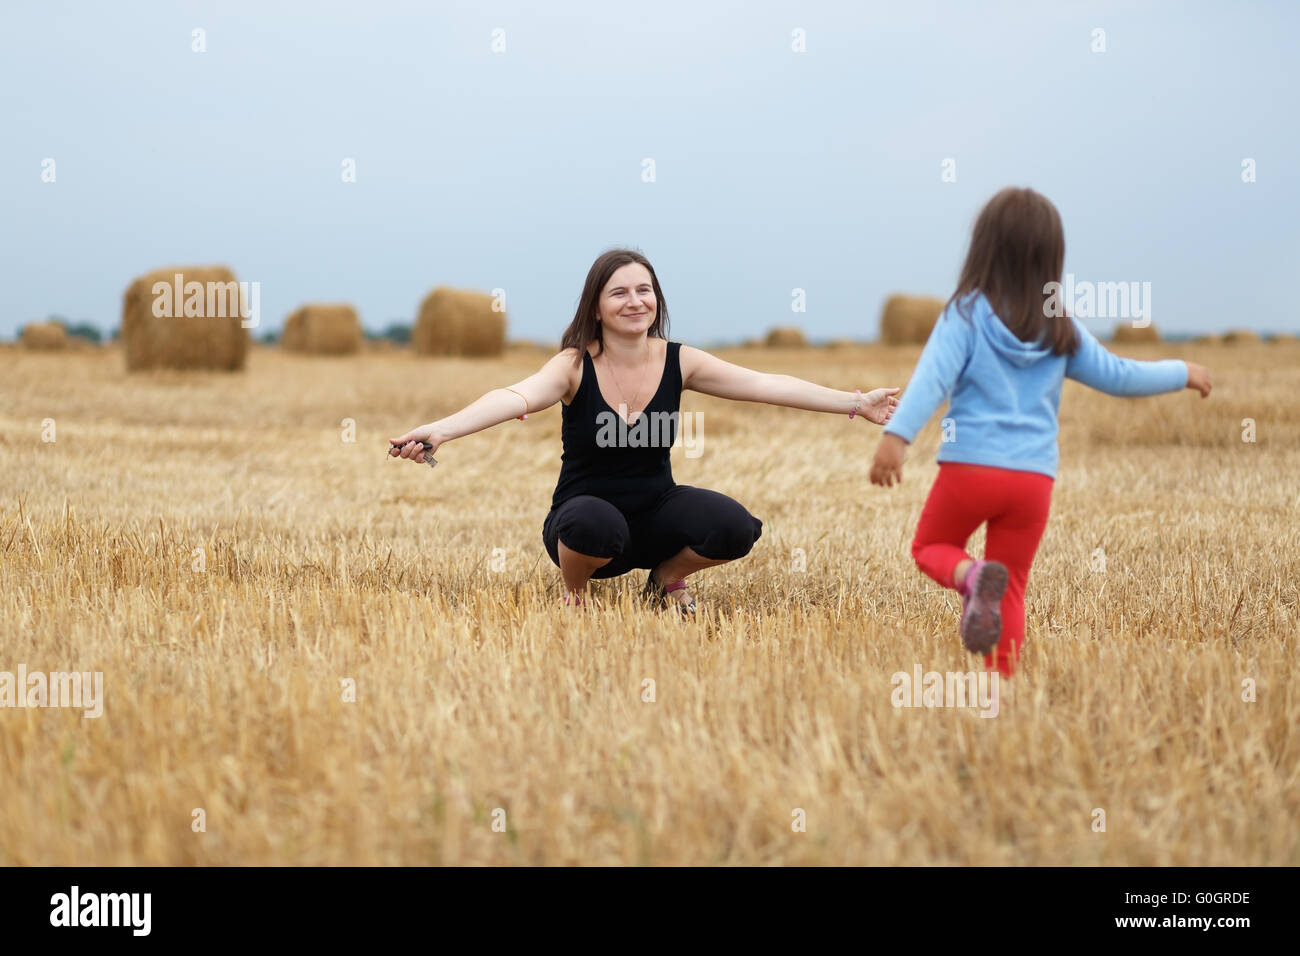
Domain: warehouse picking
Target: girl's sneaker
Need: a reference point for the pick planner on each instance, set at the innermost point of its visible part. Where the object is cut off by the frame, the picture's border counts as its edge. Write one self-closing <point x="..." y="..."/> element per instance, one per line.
<point x="981" y="614"/>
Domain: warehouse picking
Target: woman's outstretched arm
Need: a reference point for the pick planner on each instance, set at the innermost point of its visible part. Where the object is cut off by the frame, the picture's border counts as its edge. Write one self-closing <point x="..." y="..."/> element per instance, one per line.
<point x="710" y="375"/>
<point x="540" y="390"/>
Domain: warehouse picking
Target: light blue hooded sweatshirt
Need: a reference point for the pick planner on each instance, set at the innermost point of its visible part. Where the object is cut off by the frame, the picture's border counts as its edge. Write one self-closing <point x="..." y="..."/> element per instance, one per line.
<point x="1003" y="394"/>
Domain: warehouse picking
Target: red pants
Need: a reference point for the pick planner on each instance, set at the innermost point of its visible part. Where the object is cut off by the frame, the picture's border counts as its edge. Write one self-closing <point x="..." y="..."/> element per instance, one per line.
<point x="1015" y="505"/>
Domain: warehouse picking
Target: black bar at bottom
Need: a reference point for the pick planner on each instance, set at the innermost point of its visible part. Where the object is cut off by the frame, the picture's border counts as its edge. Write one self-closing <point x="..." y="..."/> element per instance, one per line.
<point x="335" y="906"/>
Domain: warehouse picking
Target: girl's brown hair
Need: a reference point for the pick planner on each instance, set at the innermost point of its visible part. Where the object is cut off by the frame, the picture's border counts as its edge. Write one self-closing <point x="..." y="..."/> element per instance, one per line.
<point x="584" y="329"/>
<point x="1017" y="249"/>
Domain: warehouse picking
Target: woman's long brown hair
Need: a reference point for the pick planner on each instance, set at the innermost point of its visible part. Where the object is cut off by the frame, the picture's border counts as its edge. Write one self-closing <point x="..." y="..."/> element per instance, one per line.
<point x="1017" y="249"/>
<point x="584" y="329"/>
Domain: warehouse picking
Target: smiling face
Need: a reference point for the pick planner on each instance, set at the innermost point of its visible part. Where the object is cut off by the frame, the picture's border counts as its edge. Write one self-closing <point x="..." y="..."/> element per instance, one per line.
<point x="627" y="304"/>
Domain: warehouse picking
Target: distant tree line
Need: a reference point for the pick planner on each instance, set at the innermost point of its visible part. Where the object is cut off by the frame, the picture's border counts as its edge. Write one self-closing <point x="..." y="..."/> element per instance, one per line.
<point x="398" y="332"/>
<point x="82" y="330"/>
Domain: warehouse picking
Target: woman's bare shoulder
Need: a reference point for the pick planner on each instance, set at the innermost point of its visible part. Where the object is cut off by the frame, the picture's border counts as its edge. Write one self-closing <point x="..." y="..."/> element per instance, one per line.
<point x="690" y="358"/>
<point x="568" y="364"/>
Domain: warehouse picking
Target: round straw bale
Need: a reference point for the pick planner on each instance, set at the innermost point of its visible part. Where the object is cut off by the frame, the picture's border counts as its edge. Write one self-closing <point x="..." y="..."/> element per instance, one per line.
<point x="458" y="322"/>
<point x="1241" y="337"/>
<point x="45" y="337"/>
<point x="909" y="319"/>
<point x="1127" y="333"/>
<point x="785" y="337"/>
<point x="199" y="328"/>
<point x="323" y="330"/>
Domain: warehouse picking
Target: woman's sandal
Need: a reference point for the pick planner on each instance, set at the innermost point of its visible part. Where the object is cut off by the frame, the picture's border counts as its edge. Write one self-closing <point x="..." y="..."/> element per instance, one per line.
<point x="659" y="593"/>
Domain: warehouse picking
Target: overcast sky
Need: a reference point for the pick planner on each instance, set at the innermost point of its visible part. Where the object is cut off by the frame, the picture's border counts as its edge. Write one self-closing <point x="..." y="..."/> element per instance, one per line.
<point x="773" y="169"/>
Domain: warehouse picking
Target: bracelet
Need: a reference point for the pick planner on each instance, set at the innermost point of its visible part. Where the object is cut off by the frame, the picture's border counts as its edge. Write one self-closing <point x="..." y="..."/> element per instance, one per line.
<point x="520" y="394"/>
<point x="854" y="411"/>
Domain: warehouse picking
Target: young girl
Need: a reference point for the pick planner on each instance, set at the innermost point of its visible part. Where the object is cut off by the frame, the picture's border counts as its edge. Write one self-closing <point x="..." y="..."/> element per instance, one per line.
<point x="999" y="353"/>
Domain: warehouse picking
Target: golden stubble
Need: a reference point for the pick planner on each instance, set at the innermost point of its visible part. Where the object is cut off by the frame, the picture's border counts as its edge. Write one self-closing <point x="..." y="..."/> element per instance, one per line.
<point x="213" y="545"/>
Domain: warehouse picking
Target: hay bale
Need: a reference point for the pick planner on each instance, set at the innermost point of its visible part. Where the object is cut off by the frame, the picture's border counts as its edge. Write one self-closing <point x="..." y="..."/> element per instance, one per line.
<point x="530" y="348"/>
<point x="1127" y="333"/>
<point x="1241" y="337"/>
<point x="785" y="337"/>
<point x="458" y="322"/>
<point x="1210" y="339"/>
<point x="45" y="337"/>
<point x="909" y="319"/>
<point x="211" y="337"/>
<point x="1285" y="338"/>
<point x="323" y="330"/>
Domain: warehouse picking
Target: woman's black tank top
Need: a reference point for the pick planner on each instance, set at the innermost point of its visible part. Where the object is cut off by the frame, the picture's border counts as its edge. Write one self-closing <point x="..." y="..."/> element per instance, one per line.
<point x="627" y="465"/>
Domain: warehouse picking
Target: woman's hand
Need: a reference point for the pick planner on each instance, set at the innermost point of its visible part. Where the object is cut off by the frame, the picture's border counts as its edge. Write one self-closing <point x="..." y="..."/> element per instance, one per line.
<point x="408" y="445"/>
<point x="887" y="466"/>
<point x="878" y="405"/>
<point x="1198" y="377"/>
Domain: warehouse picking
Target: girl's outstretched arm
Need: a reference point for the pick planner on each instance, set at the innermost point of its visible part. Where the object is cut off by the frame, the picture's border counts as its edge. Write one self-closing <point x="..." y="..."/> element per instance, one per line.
<point x="710" y="375"/>
<point x="1098" y="368"/>
<point x="538" y="391"/>
<point x="945" y="355"/>
<point x="941" y="363"/>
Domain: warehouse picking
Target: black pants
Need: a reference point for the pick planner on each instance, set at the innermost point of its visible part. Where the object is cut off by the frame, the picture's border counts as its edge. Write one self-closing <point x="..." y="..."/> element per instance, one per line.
<point x="712" y="525"/>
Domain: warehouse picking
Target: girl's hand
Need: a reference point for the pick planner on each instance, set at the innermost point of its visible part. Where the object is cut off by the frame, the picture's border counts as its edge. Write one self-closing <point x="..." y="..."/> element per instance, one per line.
<point x="887" y="466"/>
<point x="407" y="446"/>
<point x="1198" y="377"/>
<point x="878" y="405"/>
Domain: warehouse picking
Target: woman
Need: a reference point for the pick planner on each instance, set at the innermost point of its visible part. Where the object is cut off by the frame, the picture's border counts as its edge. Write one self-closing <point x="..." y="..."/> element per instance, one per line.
<point x="615" y="505"/>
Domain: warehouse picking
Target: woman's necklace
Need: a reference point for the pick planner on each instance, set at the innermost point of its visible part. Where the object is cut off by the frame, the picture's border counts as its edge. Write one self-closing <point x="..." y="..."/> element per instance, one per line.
<point x="621" y="393"/>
